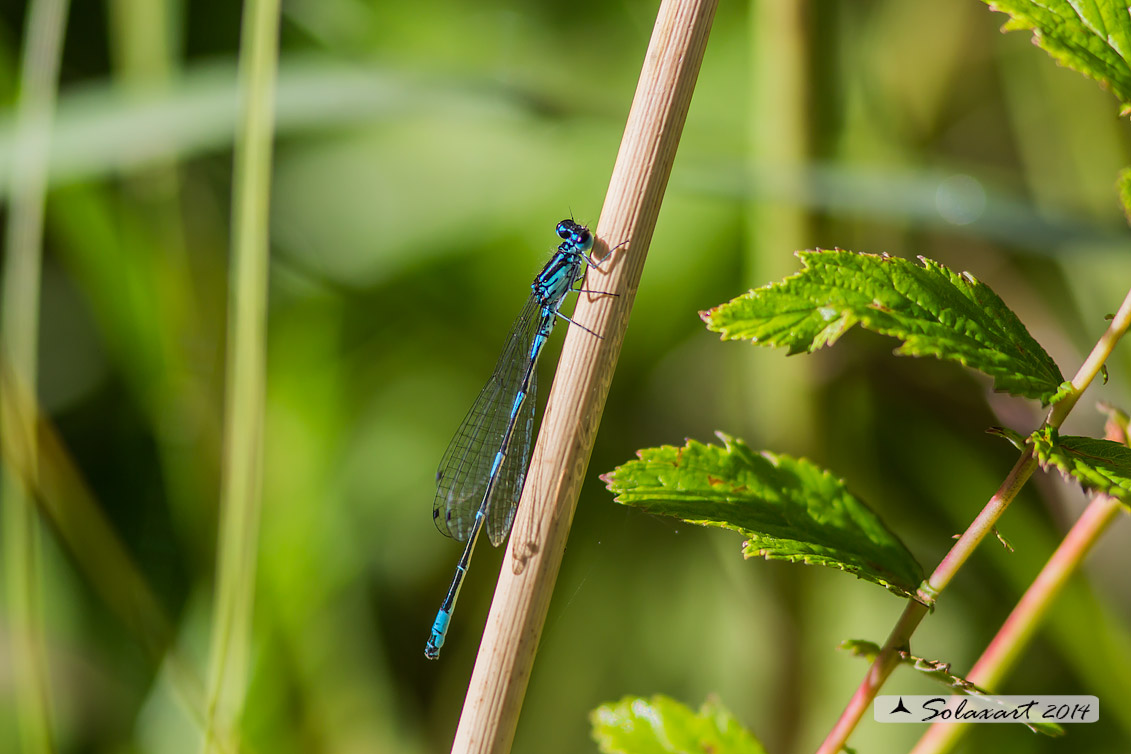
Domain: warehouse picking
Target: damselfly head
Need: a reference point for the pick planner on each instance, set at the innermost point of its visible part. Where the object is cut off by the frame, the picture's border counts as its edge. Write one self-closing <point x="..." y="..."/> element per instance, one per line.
<point x="577" y="235"/>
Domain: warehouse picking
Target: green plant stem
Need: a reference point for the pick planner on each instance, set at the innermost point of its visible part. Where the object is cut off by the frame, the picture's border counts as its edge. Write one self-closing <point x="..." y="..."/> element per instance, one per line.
<point x="19" y="336"/>
<point x="241" y="483"/>
<point x="881" y="668"/>
<point x="1092" y="365"/>
<point x="900" y="636"/>
<point x="782" y="83"/>
<point x="987" y="518"/>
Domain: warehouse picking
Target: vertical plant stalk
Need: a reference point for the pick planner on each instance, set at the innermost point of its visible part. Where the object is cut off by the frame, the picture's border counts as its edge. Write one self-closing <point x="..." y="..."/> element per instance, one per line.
<point x="19" y="338"/>
<point x="780" y="125"/>
<point x="900" y="636"/>
<point x="581" y="385"/>
<point x="140" y="43"/>
<point x="242" y="474"/>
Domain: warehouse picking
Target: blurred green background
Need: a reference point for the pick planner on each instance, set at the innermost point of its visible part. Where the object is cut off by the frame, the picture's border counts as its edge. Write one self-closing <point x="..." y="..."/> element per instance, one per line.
<point x="425" y="151"/>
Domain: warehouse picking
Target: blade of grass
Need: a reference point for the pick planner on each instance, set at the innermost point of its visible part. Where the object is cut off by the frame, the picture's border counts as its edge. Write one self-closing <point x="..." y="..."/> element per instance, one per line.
<point x="19" y="336"/>
<point x="242" y="476"/>
<point x="141" y="42"/>
<point x="76" y="519"/>
<point x="577" y="398"/>
<point x="156" y="289"/>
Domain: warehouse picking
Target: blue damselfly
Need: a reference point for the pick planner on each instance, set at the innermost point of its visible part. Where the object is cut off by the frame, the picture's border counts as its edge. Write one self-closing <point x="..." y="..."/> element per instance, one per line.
<point x="480" y="477"/>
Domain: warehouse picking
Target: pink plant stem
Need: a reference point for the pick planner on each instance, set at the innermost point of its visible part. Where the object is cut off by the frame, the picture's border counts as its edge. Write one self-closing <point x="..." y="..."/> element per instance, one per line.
<point x="1003" y="651"/>
<point x="900" y="636"/>
<point x="881" y="668"/>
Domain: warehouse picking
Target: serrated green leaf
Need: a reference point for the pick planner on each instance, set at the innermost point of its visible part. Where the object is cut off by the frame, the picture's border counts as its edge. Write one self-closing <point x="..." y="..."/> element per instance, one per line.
<point x="661" y="725"/>
<point x="934" y="311"/>
<point x="1092" y="37"/>
<point x="788" y="508"/>
<point x="939" y="671"/>
<point x="1098" y="465"/>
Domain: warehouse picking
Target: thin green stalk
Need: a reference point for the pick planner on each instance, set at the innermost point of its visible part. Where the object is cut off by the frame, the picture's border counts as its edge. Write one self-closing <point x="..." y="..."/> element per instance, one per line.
<point x="900" y="636"/>
<point x="19" y="336"/>
<point x="1092" y="365"/>
<point x="246" y="376"/>
<point x="141" y="43"/>
<point x="782" y="83"/>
